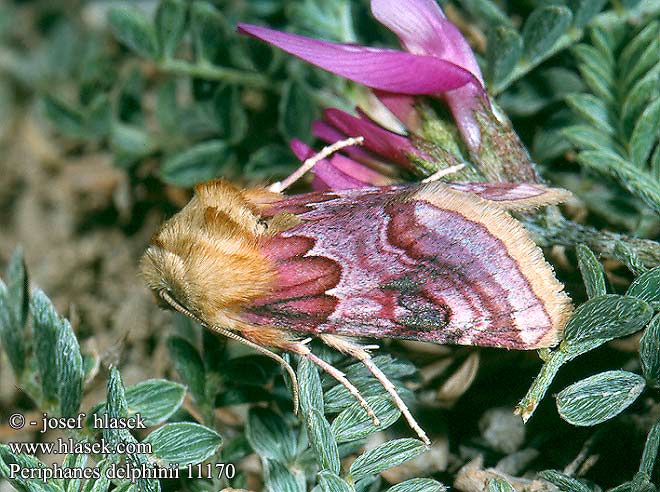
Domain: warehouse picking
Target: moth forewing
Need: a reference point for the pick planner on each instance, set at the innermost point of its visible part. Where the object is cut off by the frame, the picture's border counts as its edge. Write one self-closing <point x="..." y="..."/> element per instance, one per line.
<point x="425" y="262"/>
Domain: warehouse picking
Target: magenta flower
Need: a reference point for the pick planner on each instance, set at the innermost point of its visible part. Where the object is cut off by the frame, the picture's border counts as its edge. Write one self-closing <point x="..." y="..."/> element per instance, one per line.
<point x="437" y="61"/>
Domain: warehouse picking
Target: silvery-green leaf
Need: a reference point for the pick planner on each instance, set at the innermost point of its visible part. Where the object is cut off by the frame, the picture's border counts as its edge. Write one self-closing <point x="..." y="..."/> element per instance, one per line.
<point x="322" y="440"/>
<point x="647" y="286"/>
<point x="419" y="485"/>
<point x="486" y="10"/>
<point x="640" y="184"/>
<point x="133" y="28"/>
<point x="632" y="52"/>
<point x="231" y="115"/>
<point x="115" y="407"/>
<point x="596" y="71"/>
<point x="273" y="160"/>
<point x="209" y="31"/>
<point x="640" y="62"/>
<point x="76" y="462"/>
<point x="607" y="317"/>
<point x="155" y="400"/>
<point x="588" y="137"/>
<point x="645" y="134"/>
<point x="170" y="25"/>
<point x="183" y="443"/>
<point x="331" y="482"/>
<point x="311" y="391"/>
<point x="296" y="111"/>
<point x="270" y="436"/>
<point x="629" y="257"/>
<point x="386" y="456"/>
<point x="280" y="479"/>
<point x="599" y="398"/>
<point x="67" y="120"/>
<point x="338" y="397"/>
<point x="59" y="360"/>
<point x="103" y="483"/>
<point x="70" y="372"/>
<point x="17" y="288"/>
<point x="11" y="333"/>
<point x="190" y="367"/>
<point x="637" y="99"/>
<point x="499" y="485"/>
<point x="130" y="141"/>
<point x="504" y="50"/>
<point x="543" y="28"/>
<point x="392" y="367"/>
<point x="563" y="482"/>
<point x="196" y="164"/>
<point x="593" y="110"/>
<point x="24" y="461"/>
<point x="649" y="351"/>
<point x="45" y="322"/>
<point x="592" y="272"/>
<point x="584" y="11"/>
<point x="353" y="423"/>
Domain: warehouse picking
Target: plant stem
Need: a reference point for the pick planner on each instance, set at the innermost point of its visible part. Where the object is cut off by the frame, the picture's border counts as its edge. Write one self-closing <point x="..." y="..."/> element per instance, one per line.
<point x="213" y="72"/>
<point x="553" y="229"/>
<point x="541" y="384"/>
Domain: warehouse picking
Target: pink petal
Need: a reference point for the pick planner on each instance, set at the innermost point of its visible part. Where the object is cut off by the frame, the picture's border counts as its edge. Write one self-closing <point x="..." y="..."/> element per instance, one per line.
<point x="403" y="107"/>
<point x="329" y="134"/>
<point x="378" y="68"/>
<point x="423" y="29"/>
<point x="377" y="139"/>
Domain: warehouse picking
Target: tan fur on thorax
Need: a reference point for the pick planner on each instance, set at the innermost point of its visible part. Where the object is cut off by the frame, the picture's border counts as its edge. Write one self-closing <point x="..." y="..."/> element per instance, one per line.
<point x="208" y="257"/>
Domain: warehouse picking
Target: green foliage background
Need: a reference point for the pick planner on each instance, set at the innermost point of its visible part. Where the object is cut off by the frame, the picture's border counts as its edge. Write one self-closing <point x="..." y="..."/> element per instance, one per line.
<point x="177" y="97"/>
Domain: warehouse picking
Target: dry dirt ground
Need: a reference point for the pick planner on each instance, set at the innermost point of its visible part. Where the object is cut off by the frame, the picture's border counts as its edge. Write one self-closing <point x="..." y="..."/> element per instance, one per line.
<point x="72" y="217"/>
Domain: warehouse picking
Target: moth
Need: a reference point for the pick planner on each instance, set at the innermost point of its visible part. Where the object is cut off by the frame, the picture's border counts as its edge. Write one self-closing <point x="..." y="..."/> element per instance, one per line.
<point x="437" y="262"/>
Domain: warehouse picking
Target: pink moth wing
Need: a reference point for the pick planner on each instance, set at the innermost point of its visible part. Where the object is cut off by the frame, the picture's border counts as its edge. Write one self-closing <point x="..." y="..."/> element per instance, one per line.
<point x="423" y="262"/>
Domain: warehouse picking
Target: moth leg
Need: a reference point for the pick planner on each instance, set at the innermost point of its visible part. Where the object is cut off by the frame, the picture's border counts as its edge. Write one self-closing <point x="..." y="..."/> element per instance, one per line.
<point x="279" y="339"/>
<point x="358" y="351"/>
<point x="312" y="161"/>
<point x="443" y="172"/>
<point x="341" y="378"/>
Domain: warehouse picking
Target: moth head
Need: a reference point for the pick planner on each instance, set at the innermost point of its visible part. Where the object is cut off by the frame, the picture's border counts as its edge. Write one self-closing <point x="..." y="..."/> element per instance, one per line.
<point x="206" y="259"/>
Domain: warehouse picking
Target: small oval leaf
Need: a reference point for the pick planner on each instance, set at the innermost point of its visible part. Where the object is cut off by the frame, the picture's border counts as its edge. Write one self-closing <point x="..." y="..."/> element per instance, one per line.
<point x="331" y="482"/>
<point x="606" y="317"/>
<point x="155" y="400"/>
<point x="386" y="456"/>
<point x="353" y="423"/>
<point x="649" y="351"/>
<point x="599" y="398"/>
<point x="647" y="286"/>
<point x="543" y="28"/>
<point x="199" y="163"/>
<point x="322" y="440"/>
<point x="182" y="443"/>
<point x="592" y="272"/>
<point x="418" y="485"/>
<point x="133" y="28"/>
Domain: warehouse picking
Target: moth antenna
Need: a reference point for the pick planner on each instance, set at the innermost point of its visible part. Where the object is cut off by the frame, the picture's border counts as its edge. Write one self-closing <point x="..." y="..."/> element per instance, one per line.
<point x="234" y="336"/>
<point x="357" y="351"/>
<point x="339" y="376"/>
<point x="443" y="172"/>
<point x="312" y="161"/>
